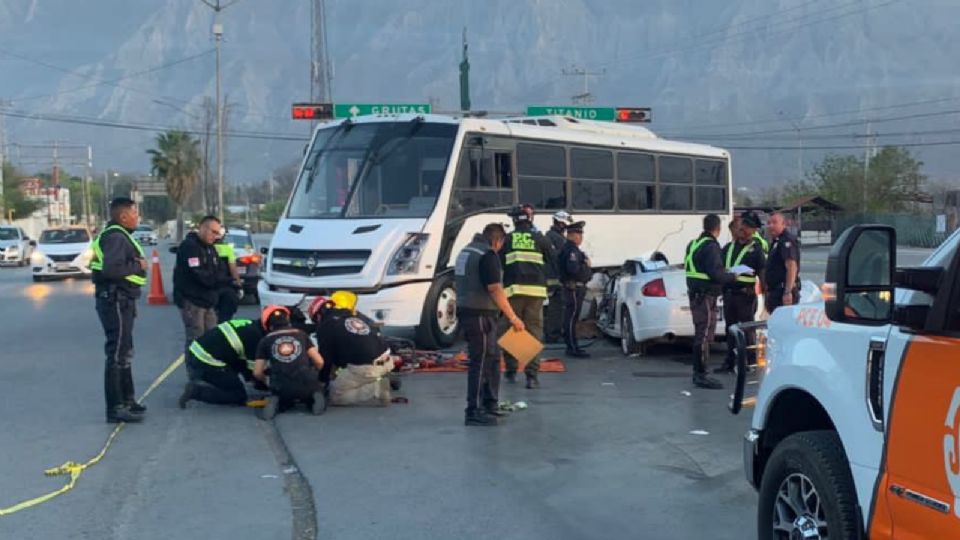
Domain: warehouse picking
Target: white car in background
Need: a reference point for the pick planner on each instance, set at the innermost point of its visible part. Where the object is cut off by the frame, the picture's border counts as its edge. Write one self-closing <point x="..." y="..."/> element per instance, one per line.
<point x="62" y="252"/>
<point x="15" y="246"/>
<point x="648" y="298"/>
<point x="145" y="235"/>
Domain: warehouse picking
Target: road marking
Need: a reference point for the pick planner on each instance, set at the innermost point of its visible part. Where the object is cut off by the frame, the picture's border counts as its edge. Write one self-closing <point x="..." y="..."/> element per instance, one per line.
<point x="73" y="469"/>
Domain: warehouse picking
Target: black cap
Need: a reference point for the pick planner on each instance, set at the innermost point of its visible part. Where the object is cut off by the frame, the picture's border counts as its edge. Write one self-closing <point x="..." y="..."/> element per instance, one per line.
<point x="576" y="227"/>
<point x="524" y="212"/>
<point x="750" y="220"/>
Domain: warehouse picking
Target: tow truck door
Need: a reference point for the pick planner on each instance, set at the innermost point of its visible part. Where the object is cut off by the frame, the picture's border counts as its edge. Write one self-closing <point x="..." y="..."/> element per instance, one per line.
<point x="918" y="492"/>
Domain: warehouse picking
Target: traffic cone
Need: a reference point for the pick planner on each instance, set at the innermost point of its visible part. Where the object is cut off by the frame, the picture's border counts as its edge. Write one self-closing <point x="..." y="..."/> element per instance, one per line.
<point x="157" y="297"/>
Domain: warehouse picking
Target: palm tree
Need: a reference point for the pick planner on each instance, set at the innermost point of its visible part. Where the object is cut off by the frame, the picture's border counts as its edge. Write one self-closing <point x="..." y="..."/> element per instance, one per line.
<point x="176" y="160"/>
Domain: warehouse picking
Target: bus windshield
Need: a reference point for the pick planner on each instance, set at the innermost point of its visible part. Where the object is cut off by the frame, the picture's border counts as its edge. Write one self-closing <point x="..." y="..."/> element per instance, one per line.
<point x="374" y="170"/>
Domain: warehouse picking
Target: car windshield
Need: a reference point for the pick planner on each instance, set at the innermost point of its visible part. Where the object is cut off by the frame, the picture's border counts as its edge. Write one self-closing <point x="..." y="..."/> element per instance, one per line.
<point x="9" y="234"/>
<point x="382" y="170"/>
<point x="64" y="236"/>
<point x="238" y="239"/>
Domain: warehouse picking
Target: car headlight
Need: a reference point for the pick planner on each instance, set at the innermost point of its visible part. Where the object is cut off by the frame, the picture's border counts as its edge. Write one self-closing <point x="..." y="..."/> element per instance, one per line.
<point x="38" y="257"/>
<point x="13" y="249"/>
<point x="407" y="258"/>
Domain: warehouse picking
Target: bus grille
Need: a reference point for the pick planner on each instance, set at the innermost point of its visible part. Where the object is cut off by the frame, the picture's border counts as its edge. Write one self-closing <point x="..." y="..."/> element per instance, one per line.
<point x="319" y="263"/>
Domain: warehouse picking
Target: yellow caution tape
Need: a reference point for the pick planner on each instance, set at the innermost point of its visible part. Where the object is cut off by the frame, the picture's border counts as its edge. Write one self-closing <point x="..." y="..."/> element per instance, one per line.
<point x="73" y="469"/>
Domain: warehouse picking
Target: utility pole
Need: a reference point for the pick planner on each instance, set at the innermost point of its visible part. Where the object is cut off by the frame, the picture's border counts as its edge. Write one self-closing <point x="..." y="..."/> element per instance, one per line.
<point x="87" y="199"/>
<point x="217" y="7"/>
<point x="3" y="155"/>
<point x="868" y="153"/>
<point x="465" y="76"/>
<point x="320" y="72"/>
<point x="586" y="97"/>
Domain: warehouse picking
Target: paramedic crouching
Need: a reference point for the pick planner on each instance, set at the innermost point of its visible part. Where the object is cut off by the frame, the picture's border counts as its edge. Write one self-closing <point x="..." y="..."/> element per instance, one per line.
<point x="480" y="299"/>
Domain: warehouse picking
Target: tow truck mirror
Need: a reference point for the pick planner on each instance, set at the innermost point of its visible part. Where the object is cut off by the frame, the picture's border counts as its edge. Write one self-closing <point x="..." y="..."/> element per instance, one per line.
<point x="859" y="286"/>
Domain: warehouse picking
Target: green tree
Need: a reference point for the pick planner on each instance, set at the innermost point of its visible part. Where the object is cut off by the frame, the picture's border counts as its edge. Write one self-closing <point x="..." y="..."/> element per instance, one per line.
<point x="176" y="160"/>
<point x="889" y="183"/>
<point x="13" y="199"/>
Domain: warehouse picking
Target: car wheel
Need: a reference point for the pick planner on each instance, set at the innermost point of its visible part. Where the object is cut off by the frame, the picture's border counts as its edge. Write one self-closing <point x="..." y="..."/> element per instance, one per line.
<point x="439" y="325"/>
<point x="628" y="344"/>
<point x="37" y="279"/>
<point x="807" y="491"/>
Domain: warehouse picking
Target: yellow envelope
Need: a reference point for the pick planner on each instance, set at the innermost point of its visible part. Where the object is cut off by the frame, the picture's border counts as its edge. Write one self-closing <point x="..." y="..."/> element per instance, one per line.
<point x="521" y="345"/>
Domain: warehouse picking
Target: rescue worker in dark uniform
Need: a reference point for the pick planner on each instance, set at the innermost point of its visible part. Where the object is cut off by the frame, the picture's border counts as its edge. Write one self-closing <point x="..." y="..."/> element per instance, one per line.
<point x="553" y="311"/>
<point x="740" y="297"/>
<point x="219" y="359"/>
<point x="480" y="300"/>
<point x="575" y="272"/>
<point x="783" y="266"/>
<point x="197" y="279"/>
<point x="705" y="278"/>
<point x="289" y="364"/>
<point x="524" y="258"/>
<point x="344" y="335"/>
<point x="119" y="271"/>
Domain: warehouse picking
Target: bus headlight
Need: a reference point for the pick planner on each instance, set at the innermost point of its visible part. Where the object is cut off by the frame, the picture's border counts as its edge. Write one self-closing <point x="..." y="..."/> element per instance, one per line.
<point x="407" y="258"/>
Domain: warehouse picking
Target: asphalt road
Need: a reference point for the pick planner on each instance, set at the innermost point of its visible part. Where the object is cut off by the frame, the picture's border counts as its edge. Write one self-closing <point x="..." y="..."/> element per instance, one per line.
<point x="614" y="448"/>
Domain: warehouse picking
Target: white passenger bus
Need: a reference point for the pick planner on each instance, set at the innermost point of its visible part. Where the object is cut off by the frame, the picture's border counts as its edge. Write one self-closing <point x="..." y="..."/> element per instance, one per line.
<point x="383" y="204"/>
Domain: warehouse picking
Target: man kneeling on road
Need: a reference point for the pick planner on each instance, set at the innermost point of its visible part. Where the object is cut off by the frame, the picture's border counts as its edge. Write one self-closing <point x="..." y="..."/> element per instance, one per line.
<point x="352" y="348"/>
<point x="218" y="359"/>
<point x="292" y="362"/>
<point x="480" y="299"/>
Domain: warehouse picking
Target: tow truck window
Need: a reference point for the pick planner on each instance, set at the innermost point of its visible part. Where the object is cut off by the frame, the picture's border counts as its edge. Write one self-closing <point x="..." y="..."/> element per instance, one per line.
<point x="374" y="170"/>
<point x="542" y="171"/>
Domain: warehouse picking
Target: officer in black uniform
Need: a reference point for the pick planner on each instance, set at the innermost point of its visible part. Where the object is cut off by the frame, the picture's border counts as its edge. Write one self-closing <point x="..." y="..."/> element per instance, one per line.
<point x="575" y="272"/>
<point x="553" y="311"/>
<point x="705" y="278"/>
<point x="219" y="359"/>
<point x="480" y="300"/>
<point x="119" y="271"/>
<point x="783" y="266"/>
<point x="740" y="297"/>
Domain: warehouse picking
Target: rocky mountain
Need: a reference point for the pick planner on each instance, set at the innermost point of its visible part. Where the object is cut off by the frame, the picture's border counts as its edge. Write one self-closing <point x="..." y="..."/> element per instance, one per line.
<point x="759" y="76"/>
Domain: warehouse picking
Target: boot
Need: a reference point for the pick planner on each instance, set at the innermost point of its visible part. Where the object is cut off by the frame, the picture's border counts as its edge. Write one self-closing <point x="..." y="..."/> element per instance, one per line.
<point x="319" y="405"/>
<point x="270" y="409"/>
<point x="128" y="393"/>
<point x="533" y="381"/>
<point x="726" y="369"/>
<point x="478" y="418"/>
<point x="117" y="411"/>
<point x="577" y="353"/>
<point x="510" y="376"/>
<point x="702" y="380"/>
<point x="189" y="392"/>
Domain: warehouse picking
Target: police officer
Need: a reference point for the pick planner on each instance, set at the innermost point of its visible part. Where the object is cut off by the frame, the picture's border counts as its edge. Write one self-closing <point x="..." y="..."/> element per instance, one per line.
<point x="524" y="257"/>
<point x="218" y="359"/>
<point x="705" y="278"/>
<point x="119" y="271"/>
<point x="740" y="297"/>
<point x="575" y="272"/>
<point x="229" y="295"/>
<point x="783" y="266"/>
<point x="480" y="299"/>
<point x="553" y="311"/>
<point x="197" y="279"/>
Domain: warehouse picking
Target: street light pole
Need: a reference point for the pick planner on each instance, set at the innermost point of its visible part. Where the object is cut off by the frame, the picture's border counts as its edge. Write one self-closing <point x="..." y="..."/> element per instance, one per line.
<point x="218" y="35"/>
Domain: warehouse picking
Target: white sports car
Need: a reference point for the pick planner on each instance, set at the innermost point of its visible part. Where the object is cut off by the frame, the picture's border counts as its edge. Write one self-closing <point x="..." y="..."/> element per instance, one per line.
<point x="648" y="297"/>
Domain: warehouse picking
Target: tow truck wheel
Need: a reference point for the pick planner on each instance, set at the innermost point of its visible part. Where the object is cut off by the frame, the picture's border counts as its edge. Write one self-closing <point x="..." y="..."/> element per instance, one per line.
<point x="628" y="344"/>
<point x="807" y="491"/>
<point x="439" y="325"/>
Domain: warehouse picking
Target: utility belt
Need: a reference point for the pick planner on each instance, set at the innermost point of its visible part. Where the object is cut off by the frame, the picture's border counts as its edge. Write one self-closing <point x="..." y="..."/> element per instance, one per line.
<point x="574" y="285"/>
<point x="699" y="294"/>
<point x="740" y="291"/>
<point x="111" y="292"/>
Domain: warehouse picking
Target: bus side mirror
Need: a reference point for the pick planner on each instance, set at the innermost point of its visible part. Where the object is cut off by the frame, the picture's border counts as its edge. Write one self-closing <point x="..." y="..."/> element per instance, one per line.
<point x="859" y="286"/>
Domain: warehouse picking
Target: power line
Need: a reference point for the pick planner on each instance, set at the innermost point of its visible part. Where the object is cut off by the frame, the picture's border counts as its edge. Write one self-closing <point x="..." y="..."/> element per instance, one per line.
<point x="844" y="147"/>
<point x="127" y="76"/>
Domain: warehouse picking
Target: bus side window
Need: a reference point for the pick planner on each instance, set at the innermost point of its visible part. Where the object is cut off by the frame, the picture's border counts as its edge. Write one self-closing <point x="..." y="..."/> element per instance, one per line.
<point x="484" y="180"/>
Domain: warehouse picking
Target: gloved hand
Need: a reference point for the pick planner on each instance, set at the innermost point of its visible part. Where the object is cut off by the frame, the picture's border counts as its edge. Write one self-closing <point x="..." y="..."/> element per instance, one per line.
<point x="239" y="294"/>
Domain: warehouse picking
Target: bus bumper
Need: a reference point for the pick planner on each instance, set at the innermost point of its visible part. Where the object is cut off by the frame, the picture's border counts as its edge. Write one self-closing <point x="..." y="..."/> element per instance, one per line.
<point x="398" y="308"/>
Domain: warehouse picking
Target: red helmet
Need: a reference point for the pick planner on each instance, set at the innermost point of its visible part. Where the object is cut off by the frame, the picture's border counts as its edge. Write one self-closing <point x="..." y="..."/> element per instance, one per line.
<point x="272" y="311"/>
<point x="317" y="306"/>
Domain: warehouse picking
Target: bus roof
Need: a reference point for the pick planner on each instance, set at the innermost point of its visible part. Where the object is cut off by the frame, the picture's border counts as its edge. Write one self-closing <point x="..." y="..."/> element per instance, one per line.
<point x="559" y="129"/>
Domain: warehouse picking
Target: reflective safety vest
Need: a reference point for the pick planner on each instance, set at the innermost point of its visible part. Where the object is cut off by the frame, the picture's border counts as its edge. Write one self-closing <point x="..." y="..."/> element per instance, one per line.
<point x="96" y="263"/>
<point x="226" y="251"/>
<point x="688" y="265"/>
<point x="730" y="263"/>
<point x="764" y="245"/>
<point x="524" y="273"/>
<point x="229" y="332"/>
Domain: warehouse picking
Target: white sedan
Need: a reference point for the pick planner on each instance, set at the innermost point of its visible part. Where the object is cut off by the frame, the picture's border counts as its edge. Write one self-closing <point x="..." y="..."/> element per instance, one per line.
<point x="648" y="298"/>
<point x="15" y="246"/>
<point x="145" y="235"/>
<point x="62" y="252"/>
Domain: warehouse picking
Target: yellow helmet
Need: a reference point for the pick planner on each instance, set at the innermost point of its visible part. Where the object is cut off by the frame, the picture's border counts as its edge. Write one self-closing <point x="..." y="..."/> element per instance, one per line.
<point x="344" y="300"/>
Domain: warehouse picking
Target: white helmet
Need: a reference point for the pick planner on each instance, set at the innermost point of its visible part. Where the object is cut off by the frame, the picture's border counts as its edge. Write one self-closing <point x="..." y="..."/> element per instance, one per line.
<point x="563" y="217"/>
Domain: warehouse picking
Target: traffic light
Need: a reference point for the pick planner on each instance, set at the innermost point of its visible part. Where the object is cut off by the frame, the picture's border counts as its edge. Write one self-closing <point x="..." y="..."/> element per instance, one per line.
<point x="633" y="115"/>
<point x="312" y="111"/>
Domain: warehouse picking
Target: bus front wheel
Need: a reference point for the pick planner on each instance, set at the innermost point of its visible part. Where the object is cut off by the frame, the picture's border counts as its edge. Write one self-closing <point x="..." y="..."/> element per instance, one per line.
<point x="439" y="324"/>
